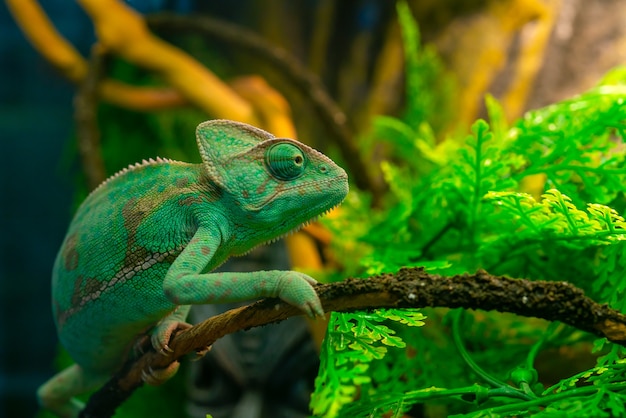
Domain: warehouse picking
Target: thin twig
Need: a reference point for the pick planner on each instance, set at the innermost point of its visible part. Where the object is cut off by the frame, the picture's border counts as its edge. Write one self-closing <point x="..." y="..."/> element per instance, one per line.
<point x="408" y="288"/>
<point x="86" y="116"/>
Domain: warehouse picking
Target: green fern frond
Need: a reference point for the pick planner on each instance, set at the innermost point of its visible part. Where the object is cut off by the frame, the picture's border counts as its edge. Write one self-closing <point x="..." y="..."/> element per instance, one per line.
<point x="556" y="218"/>
<point x="352" y="342"/>
<point x="428" y="92"/>
<point x="574" y="143"/>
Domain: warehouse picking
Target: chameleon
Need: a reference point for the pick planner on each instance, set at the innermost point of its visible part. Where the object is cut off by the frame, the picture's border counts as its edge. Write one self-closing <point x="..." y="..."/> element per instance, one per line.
<point x="142" y="247"/>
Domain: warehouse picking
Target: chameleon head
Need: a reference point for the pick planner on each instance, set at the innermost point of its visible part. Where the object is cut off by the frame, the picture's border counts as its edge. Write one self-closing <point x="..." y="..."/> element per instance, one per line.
<point x="275" y="183"/>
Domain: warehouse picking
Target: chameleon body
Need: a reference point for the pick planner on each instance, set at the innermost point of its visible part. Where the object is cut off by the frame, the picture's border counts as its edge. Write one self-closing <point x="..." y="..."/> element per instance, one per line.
<point x="141" y="247"/>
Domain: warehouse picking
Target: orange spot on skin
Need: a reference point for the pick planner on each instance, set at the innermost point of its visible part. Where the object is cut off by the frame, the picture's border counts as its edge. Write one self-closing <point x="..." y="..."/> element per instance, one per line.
<point x="190" y="200"/>
<point x="182" y="182"/>
<point x="205" y="250"/>
<point x="70" y="254"/>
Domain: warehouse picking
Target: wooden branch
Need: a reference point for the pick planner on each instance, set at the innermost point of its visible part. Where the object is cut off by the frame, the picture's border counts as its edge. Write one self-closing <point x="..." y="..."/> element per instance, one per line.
<point x="47" y="40"/>
<point x="123" y="32"/>
<point x="44" y="37"/>
<point x="140" y="98"/>
<point x="408" y="288"/>
<point x="86" y="117"/>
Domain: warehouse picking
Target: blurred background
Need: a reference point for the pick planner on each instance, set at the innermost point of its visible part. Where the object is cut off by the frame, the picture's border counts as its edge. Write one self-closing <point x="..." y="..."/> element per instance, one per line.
<point x="527" y="53"/>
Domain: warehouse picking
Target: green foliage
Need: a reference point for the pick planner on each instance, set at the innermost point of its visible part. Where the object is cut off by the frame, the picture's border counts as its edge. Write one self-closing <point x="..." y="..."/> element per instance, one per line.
<point x="353" y="342"/>
<point x="540" y="198"/>
<point x="428" y="88"/>
<point x="573" y="143"/>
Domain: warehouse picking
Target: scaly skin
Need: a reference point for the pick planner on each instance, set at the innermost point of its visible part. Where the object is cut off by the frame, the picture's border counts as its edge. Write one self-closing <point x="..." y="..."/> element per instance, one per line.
<point x="142" y="246"/>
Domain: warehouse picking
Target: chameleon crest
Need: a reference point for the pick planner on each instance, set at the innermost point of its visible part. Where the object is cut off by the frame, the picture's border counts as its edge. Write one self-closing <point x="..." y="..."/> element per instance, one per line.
<point x="143" y="246"/>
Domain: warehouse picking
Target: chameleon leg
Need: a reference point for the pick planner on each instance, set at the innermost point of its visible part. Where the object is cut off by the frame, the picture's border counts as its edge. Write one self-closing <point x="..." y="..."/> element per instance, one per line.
<point x="57" y="394"/>
<point x="185" y="284"/>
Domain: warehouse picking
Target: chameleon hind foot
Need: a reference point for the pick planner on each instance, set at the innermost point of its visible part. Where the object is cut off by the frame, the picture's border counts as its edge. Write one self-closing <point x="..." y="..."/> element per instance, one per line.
<point x="155" y="377"/>
<point x="163" y="333"/>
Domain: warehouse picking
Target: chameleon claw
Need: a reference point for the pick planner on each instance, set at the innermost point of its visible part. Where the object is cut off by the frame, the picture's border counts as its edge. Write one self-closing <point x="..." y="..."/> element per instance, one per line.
<point x="166" y="350"/>
<point x="156" y="377"/>
<point x="201" y="353"/>
<point x="313" y="310"/>
<point x="145" y="376"/>
<point x="310" y="280"/>
<point x="318" y="311"/>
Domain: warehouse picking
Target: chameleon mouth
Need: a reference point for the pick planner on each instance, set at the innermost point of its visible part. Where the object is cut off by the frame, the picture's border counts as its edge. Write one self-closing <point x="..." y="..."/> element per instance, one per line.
<point x="322" y="185"/>
<point x="302" y="225"/>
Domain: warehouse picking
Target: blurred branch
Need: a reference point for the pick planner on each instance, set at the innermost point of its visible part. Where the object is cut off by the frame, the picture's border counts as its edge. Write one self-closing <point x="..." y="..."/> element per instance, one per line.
<point x="323" y="23"/>
<point x="123" y="32"/>
<point x="62" y="55"/>
<point x="271" y="108"/>
<point x="408" y="288"/>
<point x="534" y="41"/>
<point x="388" y="75"/>
<point x="47" y="40"/>
<point x="307" y="82"/>
<point x="86" y="116"/>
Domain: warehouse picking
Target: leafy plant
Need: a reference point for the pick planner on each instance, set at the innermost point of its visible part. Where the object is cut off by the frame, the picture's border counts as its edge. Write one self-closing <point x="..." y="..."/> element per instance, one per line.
<point x="353" y="342"/>
<point x="541" y="198"/>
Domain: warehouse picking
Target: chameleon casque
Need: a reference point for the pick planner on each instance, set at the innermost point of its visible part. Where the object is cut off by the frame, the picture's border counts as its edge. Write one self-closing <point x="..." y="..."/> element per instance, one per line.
<point x="141" y="248"/>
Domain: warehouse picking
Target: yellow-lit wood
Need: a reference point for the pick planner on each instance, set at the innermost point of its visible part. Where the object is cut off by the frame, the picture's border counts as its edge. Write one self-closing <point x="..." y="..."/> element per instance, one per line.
<point x="123" y="32"/>
<point x="477" y="47"/>
<point x="44" y="37"/>
<point x="47" y="40"/>
<point x="534" y="41"/>
<point x="387" y="79"/>
<point x="270" y="107"/>
<point x="139" y="98"/>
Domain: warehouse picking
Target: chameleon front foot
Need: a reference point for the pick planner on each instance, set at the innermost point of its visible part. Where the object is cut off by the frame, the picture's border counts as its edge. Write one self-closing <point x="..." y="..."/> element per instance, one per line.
<point x="297" y="289"/>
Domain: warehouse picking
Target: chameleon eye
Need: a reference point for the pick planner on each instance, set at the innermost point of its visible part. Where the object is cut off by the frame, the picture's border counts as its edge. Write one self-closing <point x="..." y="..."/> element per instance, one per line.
<point x="285" y="161"/>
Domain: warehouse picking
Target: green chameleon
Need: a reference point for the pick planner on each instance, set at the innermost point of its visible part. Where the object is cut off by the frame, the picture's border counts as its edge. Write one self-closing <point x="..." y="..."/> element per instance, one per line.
<point x="141" y="248"/>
